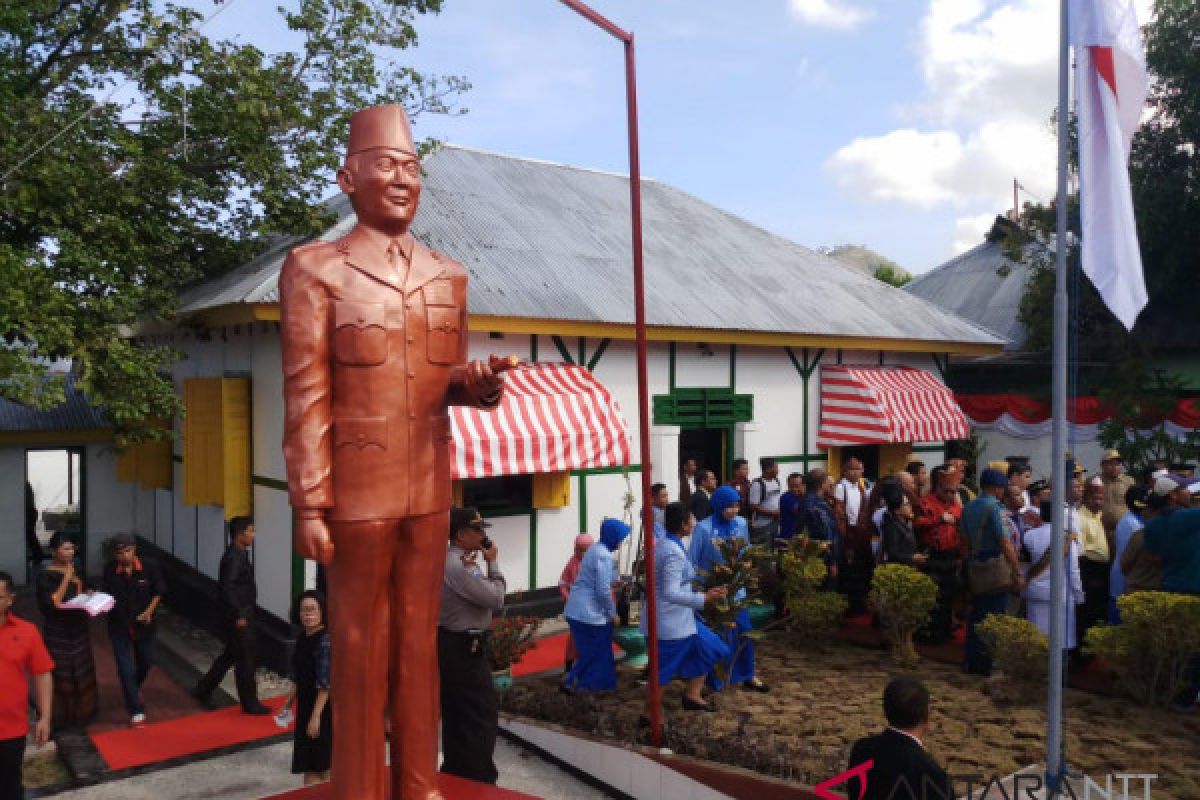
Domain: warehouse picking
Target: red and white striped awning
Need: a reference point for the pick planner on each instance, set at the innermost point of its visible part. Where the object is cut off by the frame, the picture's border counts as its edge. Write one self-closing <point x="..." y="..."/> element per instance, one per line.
<point x="553" y="418"/>
<point x="886" y="405"/>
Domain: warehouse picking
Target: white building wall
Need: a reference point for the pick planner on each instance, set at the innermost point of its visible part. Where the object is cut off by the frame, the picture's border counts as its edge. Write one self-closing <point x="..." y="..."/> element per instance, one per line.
<point x="109" y="504"/>
<point x="273" y="550"/>
<point x="998" y="446"/>
<point x="197" y="536"/>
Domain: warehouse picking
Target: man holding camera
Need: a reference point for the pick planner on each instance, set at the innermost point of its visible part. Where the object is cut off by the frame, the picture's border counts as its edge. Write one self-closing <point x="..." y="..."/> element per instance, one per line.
<point x="471" y="592"/>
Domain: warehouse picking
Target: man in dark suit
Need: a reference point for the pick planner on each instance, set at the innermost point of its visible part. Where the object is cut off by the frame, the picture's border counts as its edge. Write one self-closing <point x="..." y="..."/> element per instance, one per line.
<point x="900" y="768"/>
<point x="239" y="598"/>
<point x="687" y="480"/>
<point x="701" y="501"/>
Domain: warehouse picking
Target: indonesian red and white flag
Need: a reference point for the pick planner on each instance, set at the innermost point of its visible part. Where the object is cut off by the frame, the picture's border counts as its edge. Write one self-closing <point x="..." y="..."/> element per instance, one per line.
<point x="1111" y="86"/>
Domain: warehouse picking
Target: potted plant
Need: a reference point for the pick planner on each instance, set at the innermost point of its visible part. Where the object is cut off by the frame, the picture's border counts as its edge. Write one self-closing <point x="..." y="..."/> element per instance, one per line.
<point x="512" y="638"/>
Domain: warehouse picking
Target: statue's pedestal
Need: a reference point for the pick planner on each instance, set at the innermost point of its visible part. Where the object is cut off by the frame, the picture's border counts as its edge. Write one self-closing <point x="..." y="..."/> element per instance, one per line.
<point x="452" y="789"/>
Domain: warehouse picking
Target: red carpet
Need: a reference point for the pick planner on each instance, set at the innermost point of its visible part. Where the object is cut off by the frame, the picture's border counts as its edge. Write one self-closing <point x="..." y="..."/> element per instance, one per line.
<point x="452" y="788"/>
<point x="547" y="654"/>
<point x="198" y="733"/>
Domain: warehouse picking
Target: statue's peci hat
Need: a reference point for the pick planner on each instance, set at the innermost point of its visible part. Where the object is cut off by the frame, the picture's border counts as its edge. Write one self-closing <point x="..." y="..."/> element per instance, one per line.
<point x="380" y="126"/>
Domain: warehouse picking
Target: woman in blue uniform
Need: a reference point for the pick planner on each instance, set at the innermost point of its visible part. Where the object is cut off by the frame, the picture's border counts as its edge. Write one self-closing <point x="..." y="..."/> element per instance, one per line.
<point x="724" y="523"/>
<point x="592" y="613"/>
<point x="687" y="648"/>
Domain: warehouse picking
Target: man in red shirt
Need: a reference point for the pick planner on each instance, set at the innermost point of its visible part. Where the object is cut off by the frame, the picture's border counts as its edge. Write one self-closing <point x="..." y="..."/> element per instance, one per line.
<point x="937" y="522"/>
<point x="22" y="653"/>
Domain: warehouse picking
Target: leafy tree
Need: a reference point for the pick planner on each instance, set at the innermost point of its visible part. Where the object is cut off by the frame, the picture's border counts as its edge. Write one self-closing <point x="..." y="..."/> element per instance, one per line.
<point x="137" y="154"/>
<point x="1165" y="175"/>
<point x="888" y="274"/>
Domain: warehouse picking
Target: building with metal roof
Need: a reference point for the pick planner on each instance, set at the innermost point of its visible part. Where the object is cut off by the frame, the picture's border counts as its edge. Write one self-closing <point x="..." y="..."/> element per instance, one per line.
<point x="983" y="284"/>
<point x="743" y="325"/>
<point x="75" y="416"/>
<point x="550" y="243"/>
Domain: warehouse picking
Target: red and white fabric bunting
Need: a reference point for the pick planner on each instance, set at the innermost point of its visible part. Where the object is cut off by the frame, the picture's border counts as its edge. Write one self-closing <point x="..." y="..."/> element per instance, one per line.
<point x="886" y="405"/>
<point x="553" y="418"/>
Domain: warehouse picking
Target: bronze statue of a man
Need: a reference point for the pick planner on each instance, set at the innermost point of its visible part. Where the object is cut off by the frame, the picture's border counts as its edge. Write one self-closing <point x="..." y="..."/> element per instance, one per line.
<point x="374" y="339"/>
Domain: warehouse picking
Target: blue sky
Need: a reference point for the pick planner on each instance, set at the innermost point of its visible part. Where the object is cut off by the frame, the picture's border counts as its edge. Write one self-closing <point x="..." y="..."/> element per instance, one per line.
<point x="897" y="125"/>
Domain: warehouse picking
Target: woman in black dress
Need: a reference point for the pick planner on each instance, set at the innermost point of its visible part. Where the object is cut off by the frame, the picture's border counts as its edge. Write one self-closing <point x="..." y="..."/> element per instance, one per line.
<point x="313" y="750"/>
<point x="67" y="637"/>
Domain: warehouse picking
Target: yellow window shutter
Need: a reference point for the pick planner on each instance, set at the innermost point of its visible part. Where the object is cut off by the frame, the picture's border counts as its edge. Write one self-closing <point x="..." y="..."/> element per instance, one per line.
<point x="154" y="468"/>
<point x="833" y="462"/>
<point x="235" y="438"/>
<point x="127" y="464"/>
<point x="552" y="490"/>
<point x="202" y="441"/>
<point x="456" y="489"/>
<point x="216" y="444"/>
<point x="893" y="458"/>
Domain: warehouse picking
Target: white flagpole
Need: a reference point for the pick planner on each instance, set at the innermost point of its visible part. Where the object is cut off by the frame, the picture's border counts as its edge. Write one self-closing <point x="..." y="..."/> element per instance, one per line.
<point x="1055" y="766"/>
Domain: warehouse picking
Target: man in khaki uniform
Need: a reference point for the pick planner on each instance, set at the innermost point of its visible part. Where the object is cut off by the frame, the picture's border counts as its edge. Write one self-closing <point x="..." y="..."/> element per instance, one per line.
<point x="1116" y="484"/>
<point x="374" y="339"/>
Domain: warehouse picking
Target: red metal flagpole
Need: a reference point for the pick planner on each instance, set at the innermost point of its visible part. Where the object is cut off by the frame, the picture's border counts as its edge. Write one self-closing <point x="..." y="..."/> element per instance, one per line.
<point x="653" y="691"/>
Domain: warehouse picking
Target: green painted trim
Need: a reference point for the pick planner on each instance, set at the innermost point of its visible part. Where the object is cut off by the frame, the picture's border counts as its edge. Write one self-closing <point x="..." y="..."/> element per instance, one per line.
<point x="582" y="351"/>
<point x="732" y="369"/>
<point x="791" y="354"/>
<point x="270" y="483"/>
<point x="595" y="359"/>
<point x="512" y="511"/>
<point x="802" y="457"/>
<point x="533" y="549"/>
<point x="942" y="364"/>
<point x="928" y="448"/>
<point x="583" y="503"/>
<point x="533" y="347"/>
<point x="297" y="564"/>
<point x="562" y="349"/>
<point x="606" y="470"/>
<point x="671" y="368"/>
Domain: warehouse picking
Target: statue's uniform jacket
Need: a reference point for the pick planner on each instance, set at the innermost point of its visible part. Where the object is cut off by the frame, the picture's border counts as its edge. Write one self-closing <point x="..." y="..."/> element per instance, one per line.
<point x="372" y="357"/>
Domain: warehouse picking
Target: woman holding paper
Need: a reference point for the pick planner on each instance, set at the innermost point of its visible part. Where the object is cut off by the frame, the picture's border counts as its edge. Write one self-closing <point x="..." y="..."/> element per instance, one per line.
<point x="66" y="633"/>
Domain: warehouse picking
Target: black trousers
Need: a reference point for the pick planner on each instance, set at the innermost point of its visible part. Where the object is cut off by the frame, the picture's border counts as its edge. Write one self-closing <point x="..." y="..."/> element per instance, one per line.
<point x="470" y="708"/>
<point x="1095" y="576"/>
<point x="239" y="653"/>
<point x="12" y="754"/>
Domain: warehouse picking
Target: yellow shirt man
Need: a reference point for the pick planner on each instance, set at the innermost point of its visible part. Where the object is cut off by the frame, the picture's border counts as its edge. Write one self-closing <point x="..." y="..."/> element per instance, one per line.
<point x="1091" y="529"/>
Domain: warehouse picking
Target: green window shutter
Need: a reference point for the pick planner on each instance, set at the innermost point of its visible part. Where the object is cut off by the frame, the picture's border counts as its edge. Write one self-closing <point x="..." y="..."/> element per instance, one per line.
<point x="703" y="408"/>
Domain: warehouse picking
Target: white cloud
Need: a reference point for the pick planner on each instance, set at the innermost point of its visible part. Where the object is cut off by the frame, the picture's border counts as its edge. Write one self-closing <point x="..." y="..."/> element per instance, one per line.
<point x="833" y="14"/>
<point x="969" y="231"/>
<point x="925" y="169"/>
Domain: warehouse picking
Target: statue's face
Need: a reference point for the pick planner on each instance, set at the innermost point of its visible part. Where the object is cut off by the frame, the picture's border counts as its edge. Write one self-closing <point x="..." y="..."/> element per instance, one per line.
<point x="384" y="186"/>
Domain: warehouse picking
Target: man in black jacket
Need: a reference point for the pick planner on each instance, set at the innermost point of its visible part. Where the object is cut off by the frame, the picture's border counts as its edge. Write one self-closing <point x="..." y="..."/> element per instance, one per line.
<point x="137" y="587"/>
<point x="701" y="500"/>
<point x="239" y="597"/>
<point x="900" y="765"/>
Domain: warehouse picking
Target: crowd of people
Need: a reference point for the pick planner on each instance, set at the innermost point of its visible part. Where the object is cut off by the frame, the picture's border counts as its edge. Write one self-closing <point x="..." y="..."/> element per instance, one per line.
<point x="988" y="552"/>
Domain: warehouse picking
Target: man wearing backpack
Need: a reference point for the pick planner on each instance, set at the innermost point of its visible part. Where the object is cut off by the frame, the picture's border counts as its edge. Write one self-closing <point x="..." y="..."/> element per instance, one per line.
<point x="765" y="492"/>
<point x="992" y="569"/>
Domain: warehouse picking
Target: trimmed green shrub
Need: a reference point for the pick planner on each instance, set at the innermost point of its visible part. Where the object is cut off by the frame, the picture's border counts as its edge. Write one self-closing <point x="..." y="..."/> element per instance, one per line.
<point x="1019" y="650"/>
<point x="903" y="598"/>
<point x="812" y="613"/>
<point x="1151" y="648"/>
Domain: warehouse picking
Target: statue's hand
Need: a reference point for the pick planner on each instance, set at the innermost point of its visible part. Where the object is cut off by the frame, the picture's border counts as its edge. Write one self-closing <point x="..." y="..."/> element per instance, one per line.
<point x="313" y="541"/>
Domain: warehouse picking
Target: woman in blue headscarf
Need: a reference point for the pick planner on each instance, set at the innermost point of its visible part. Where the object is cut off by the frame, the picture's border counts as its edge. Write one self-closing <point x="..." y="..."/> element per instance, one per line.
<point x="592" y="613"/>
<point x="687" y="648"/>
<point x="724" y="523"/>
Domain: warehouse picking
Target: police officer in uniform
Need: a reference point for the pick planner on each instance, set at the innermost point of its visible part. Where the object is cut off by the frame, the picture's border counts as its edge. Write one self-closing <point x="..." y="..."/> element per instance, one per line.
<point x="471" y="592"/>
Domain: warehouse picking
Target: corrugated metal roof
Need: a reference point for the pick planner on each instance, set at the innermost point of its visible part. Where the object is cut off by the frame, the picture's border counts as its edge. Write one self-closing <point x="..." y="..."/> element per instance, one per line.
<point x="547" y="241"/>
<point x="983" y="285"/>
<point x="75" y="414"/>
